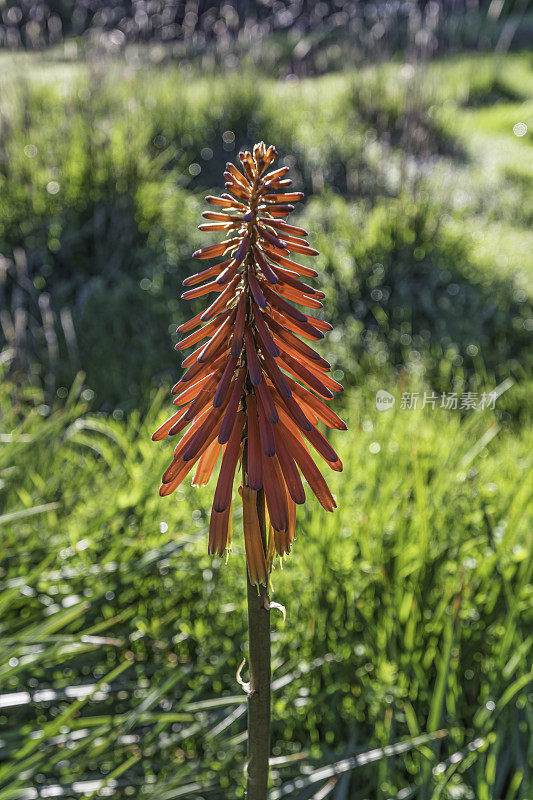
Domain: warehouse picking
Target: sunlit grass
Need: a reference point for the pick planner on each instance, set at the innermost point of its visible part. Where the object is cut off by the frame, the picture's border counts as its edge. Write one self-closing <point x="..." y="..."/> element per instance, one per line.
<point x="406" y="612"/>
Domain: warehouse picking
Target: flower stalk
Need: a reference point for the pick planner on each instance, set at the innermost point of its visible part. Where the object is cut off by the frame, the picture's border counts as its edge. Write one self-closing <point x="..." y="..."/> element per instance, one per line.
<point x="260" y="669"/>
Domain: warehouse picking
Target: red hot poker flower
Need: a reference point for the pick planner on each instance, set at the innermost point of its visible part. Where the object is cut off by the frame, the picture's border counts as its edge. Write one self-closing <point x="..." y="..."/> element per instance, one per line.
<point x="254" y="387"/>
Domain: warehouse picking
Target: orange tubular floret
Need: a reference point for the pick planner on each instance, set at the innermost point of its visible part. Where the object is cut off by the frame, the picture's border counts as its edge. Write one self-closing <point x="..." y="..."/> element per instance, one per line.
<point x="255" y="464"/>
<point x="284" y="335"/>
<point x="282" y="261"/>
<point x="289" y="277"/>
<point x="306" y="375"/>
<point x="163" y="429"/>
<point x="275" y="494"/>
<point x="264" y="335"/>
<point x="308" y="467"/>
<point x="206" y="464"/>
<point x="223" y="491"/>
<point x="323" y="412"/>
<point x="237" y="396"/>
<point x="304" y="329"/>
<point x="262" y="392"/>
<point x="192" y="389"/>
<point x="232" y="406"/>
<point x="313" y="435"/>
<point x="289" y="469"/>
<point x="314" y="364"/>
<point x="266" y="432"/>
<point x="253" y="542"/>
<point x="296" y="296"/>
<point x="210" y="272"/>
<point x="219" y="531"/>
<point x="200" y="334"/>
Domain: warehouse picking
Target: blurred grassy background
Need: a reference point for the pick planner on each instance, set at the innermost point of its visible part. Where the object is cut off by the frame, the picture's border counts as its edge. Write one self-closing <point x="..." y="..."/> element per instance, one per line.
<point x="421" y="207"/>
<point x="404" y="668"/>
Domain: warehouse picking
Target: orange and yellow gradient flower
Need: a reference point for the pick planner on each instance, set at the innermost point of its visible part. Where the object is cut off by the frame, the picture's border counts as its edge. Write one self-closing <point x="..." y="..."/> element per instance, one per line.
<point x="255" y="391"/>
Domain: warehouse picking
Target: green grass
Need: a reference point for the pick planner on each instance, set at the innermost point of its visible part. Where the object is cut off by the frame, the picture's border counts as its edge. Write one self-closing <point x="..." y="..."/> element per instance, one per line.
<point x="407" y="613"/>
<point x="404" y="667"/>
<point x="110" y="238"/>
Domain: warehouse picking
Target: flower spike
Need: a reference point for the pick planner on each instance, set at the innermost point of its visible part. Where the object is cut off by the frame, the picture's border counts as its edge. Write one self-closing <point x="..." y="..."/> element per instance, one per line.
<point x="253" y="390"/>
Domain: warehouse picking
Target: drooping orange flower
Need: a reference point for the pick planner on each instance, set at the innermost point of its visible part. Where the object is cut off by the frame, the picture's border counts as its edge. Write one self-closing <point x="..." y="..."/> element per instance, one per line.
<point x="255" y="387"/>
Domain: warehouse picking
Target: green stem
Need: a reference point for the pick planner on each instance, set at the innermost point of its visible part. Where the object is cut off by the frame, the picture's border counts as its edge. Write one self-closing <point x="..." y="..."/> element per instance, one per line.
<point x="260" y="672"/>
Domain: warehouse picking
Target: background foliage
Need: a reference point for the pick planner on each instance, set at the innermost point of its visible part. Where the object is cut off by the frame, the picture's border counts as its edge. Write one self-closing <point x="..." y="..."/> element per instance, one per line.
<point x="102" y="183"/>
<point x="407" y="612"/>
